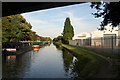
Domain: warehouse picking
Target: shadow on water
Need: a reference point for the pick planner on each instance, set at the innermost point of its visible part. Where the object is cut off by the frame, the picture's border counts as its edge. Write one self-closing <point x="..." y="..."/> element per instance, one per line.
<point x="74" y="65"/>
<point x="14" y="66"/>
<point x="82" y="67"/>
<point x="69" y="61"/>
<point x="58" y="47"/>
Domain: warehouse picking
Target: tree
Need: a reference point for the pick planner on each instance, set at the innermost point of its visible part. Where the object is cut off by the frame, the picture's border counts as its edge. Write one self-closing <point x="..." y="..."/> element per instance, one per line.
<point x="15" y="28"/>
<point x="68" y="31"/>
<point x="109" y="11"/>
<point x="57" y="39"/>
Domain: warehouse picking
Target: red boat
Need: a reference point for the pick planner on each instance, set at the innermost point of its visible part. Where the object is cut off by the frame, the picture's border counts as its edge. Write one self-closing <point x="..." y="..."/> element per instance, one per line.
<point x="36" y="45"/>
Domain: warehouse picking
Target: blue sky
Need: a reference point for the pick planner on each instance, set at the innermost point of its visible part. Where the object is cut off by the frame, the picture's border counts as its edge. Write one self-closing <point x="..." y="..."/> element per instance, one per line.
<point x="50" y="22"/>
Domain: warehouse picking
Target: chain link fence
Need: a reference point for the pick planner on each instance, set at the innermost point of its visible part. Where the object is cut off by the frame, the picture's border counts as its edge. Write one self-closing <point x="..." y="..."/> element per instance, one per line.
<point x="108" y="44"/>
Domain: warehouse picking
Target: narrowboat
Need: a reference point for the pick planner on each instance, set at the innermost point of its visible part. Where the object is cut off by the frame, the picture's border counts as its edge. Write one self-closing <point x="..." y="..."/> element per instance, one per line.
<point x="9" y="50"/>
<point x="10" y="47"/>
<point x="36" y="45"/>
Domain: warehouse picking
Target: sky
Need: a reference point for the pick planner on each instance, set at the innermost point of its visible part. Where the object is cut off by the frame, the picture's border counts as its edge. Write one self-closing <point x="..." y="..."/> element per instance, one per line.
<point x="50" y="22"/>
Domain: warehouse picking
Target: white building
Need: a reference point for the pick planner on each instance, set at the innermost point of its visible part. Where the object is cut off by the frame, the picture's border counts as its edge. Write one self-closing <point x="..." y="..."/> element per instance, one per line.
<point x="83" y="35"/>
<point x="107" y="37"/>
<point x="119" y="32"/>
<point x="81" y="39"/>
<point x="119" y="37"/>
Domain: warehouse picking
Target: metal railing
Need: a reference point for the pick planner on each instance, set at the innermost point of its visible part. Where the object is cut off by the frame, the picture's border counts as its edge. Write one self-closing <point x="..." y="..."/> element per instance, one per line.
<point x="109" y="44"/>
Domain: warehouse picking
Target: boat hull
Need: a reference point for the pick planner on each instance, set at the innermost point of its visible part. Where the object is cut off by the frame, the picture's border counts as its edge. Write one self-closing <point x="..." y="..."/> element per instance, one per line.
<point x="36" y="46"/>
<point x="9" y="51"/>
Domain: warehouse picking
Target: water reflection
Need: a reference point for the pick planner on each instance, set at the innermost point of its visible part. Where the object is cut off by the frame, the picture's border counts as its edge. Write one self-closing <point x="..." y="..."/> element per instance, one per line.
<point x="47" y="62"/>
<point x="11" y="60"/>
<point x="75" y="65"/>
<point x="14" y="66"/>
<point x="82" y="67"/>
<point x="74" y="59"/>
<point x="36" y="49"/>
<point x="69" y="61"/>
<point x="58" y="47"/>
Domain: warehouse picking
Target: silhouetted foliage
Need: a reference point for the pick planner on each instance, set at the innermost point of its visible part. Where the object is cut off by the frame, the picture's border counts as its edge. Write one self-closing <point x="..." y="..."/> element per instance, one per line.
<point x="109" y="11"/>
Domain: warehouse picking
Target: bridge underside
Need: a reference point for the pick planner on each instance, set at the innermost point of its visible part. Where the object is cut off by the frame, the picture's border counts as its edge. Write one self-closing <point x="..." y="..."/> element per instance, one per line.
<point x="11" y="8"/>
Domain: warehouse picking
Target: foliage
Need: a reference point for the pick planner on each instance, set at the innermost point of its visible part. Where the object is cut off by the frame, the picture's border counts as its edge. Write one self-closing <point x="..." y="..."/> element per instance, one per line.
<point x="16" y="28"/>
<point x="68" y="31"/>
<point x="67" y="58"/>
<point x="58" y="41"/>
<point x="59" y="38"/>
<point x="109" y="11"/>
<point x="37" y="37"/>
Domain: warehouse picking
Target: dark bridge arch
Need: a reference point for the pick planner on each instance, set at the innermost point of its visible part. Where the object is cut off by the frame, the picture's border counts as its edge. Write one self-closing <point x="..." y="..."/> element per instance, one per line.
<point x="11" y="8"/>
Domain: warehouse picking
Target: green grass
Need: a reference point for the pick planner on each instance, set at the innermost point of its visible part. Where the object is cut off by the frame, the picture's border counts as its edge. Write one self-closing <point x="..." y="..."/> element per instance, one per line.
<point x="106" y="54"/>
<point x="88" y="64"/>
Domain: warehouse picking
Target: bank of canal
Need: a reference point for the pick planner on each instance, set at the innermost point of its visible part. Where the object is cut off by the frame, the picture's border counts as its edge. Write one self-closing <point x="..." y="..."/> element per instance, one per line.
<point x="98" y="66"/>
<point x="52" y="62"/>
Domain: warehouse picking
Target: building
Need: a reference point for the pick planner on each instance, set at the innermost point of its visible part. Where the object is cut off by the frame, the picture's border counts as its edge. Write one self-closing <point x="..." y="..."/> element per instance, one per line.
<point x="81" y="39"/>
<point x="96" y="37"/>
<point x="108" y="37"/>
<point x="83" y="35"/>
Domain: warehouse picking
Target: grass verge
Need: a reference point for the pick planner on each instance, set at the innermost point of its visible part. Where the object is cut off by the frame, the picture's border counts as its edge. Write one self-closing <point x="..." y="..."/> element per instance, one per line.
<point x="106" y="54"/>
<point x="88" y="64"/>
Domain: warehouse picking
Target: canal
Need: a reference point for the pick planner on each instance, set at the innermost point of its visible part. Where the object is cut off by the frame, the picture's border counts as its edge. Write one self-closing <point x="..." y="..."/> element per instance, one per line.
<point x="47" y="62"/>
<point x="54" y="62"/>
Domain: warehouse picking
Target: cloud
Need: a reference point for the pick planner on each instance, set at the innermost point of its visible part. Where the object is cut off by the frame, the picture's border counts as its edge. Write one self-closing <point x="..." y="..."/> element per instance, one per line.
<point x="39" y="21"/>
<point x="77" y="22"/>
<point x="48" y="30"/>
<point x="81" y="24"/>
<point x="43" y="27"/>
<point x="31" y="19"/>
<point x="52" y="25"/>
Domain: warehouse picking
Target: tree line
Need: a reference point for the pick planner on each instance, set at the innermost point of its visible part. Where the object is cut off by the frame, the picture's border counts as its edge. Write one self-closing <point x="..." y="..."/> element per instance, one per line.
<point x="15" y="28"/>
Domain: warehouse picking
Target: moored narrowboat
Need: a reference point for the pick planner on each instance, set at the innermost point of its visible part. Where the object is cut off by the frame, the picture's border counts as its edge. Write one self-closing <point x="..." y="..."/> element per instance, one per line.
<point x="36" y="45"/>
<point x="9" y="50"/>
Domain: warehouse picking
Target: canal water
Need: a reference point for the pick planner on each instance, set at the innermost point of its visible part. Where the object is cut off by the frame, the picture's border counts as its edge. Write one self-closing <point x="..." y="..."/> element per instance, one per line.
<point x="46" y="62"/>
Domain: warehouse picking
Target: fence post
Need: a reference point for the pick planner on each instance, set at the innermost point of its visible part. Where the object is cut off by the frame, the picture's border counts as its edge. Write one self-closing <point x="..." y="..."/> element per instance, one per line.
<point x="101" y="42"/>
<point x="90" y="41"/>
<point x="112" y="41"/>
